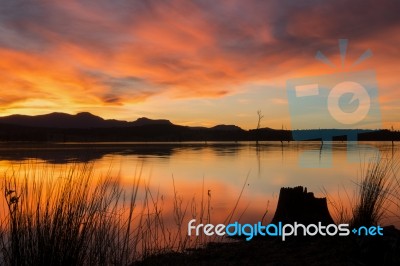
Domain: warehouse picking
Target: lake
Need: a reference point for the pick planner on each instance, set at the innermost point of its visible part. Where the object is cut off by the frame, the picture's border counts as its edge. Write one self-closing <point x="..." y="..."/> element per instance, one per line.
<point x="214" y="173"/>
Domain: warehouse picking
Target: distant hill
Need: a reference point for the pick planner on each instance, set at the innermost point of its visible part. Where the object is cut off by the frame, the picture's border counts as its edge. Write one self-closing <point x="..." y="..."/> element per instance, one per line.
<point x="143" y="121"/>
<point x="226" y="128"/>
<point x="80" y="120"/>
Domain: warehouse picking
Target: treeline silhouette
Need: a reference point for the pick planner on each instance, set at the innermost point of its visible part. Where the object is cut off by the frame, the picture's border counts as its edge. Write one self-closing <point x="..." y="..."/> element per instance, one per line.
<point x="138" y="133"/>
<point x="177" y="133"/>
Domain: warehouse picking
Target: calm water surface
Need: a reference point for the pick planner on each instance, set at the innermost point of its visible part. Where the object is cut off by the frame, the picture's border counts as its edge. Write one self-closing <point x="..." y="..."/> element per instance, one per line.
<point x="223" y="167"/>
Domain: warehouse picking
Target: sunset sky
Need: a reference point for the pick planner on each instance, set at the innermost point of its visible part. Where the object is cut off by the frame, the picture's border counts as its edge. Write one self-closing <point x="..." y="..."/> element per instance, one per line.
<point x="192" y="62"/>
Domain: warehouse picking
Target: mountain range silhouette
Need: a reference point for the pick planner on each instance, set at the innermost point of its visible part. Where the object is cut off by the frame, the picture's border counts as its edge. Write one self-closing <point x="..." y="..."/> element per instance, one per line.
<point x="80" y="120"/>
<point x="86" y="127"/>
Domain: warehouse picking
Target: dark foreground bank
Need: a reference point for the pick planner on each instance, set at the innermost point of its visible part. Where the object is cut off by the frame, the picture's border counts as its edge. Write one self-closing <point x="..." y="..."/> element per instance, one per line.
<point x="294" y="251"/>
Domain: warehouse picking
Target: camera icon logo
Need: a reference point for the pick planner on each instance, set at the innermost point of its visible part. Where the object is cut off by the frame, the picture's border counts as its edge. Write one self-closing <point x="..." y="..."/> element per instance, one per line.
<point x="360" y="95"/>
<point x="328" y="106"/>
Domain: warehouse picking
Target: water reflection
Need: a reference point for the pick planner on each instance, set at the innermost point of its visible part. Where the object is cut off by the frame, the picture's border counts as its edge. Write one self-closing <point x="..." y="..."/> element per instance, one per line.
<point x="223" y="167"/>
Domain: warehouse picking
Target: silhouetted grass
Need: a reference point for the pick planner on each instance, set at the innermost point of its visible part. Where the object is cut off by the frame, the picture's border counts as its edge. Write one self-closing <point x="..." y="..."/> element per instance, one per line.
<point x="75" y="217"/>
<point x="71" y="219"/>
<point x="339" y="210"/>
<point x="375" y="191"/>
<point x="376" y="196"/>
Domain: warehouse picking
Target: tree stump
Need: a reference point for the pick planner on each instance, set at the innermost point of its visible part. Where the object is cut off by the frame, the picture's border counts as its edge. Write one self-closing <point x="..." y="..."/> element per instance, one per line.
<point x="298" y="205"/>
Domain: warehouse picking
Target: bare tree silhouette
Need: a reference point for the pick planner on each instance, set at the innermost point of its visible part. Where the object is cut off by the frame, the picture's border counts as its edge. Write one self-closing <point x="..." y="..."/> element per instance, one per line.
<point x="260" y="116"/>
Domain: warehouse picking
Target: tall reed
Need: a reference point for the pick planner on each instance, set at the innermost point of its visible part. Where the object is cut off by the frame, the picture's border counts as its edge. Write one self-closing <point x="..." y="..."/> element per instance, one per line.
<point x="69" y="219"/>
<point x="375" y="197"/>
<point x="377" y="190"/>
<point x="73" y="216"/>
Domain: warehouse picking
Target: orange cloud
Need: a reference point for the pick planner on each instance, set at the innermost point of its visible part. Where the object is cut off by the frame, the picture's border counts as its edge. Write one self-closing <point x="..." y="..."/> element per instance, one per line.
<point x="74" y="55"/>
